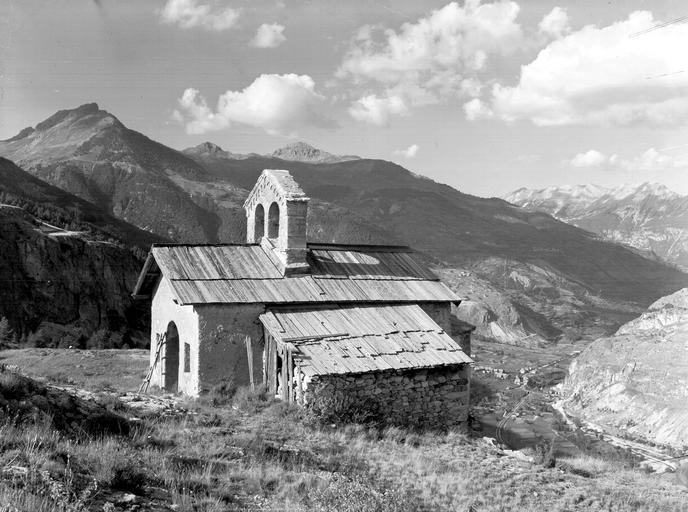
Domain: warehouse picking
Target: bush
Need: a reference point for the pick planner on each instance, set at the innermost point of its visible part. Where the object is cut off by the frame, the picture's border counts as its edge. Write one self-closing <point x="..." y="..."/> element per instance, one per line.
<point x="222" y="393"/>
<point x="6" y="334"/>
<point x="544" y="454"/>
<point x="345" y="494"/>
<point x="106" y="339"/>
<point x="251" y="400"/>
<point x="325" y="407"/>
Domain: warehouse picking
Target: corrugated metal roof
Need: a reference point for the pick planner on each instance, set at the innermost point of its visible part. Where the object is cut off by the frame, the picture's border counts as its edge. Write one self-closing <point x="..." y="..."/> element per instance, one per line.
<point x="343" y="339"/>
<point x="247" y="274"/>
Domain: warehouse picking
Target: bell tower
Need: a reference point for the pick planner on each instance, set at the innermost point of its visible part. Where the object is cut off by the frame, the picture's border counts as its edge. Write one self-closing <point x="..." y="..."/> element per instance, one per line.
<point x="276" y="211"/>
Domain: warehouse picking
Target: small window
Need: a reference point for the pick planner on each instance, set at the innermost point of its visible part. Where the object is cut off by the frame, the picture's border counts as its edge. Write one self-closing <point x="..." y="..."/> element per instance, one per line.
<point x="187" y="358"/>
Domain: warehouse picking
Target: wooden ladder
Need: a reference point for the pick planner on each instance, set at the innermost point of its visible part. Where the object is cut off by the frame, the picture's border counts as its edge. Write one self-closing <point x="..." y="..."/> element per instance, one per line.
<point x="161" y="340"/>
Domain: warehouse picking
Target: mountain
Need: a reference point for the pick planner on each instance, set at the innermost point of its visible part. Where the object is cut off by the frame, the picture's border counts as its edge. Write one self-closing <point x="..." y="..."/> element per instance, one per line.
<point x="554" y="279"/>
<point x="649" y="217"/>
<point x="634" y="382"/>
<point x="91" y="154"/>
<point x="295" y="152"/>
<point x="213" y="150"/>
<point x="66" y="267"/>
<point x="51" y="204"/>
<point x="302" y="152"/>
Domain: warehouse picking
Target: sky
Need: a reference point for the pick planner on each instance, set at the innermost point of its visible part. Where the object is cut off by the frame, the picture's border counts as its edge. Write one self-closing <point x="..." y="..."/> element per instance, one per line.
<point x="485" y="96"/>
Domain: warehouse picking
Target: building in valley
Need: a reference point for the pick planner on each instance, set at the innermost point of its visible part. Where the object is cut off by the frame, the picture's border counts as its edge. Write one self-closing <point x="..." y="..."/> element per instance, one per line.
<point x="366" y="322"/>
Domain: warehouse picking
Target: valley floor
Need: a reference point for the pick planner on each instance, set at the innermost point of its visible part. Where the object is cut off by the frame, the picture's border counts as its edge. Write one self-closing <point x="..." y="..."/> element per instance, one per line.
<point x="250" y="453"/>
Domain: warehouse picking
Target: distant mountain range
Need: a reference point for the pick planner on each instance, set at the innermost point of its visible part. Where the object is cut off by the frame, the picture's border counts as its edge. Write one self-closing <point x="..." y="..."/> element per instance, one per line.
<point x="649" y="216"/>
<point x="294" y="152"/>
<point x="526" y="274"/>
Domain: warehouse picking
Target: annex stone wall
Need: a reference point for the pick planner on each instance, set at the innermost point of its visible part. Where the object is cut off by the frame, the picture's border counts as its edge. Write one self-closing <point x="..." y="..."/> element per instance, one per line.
<point x="423" y="398"/>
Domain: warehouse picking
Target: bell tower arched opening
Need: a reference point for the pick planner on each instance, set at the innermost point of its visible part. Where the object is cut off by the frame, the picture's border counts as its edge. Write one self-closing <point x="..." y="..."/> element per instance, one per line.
<point x="273" y="221"/>
<point x="259" y="226"/>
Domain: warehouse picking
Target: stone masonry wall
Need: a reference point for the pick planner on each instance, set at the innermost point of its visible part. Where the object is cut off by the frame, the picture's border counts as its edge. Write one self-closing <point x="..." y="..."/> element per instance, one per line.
<point x="423" y="398"/>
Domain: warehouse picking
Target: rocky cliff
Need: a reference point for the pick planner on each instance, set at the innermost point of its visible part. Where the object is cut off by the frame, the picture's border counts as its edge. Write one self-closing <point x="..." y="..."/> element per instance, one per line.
<point x="636" y="382"/>
<point x="51" y="276"/>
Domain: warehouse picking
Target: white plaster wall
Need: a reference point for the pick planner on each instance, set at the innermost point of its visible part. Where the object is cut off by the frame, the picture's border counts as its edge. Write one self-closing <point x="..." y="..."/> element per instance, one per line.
<point x="165" y="310"/>
<point x="222" y="352"/>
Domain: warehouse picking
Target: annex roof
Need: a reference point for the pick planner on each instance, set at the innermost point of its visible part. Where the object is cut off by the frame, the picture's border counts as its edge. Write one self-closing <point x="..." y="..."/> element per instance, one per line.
<point x="361" y="339"/>
<point x="215" y="274"/>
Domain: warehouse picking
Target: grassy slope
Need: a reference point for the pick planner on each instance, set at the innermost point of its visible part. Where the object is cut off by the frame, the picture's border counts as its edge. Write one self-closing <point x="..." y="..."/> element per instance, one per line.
<point x="260" y="455"/>
<point x="123" y="370"/>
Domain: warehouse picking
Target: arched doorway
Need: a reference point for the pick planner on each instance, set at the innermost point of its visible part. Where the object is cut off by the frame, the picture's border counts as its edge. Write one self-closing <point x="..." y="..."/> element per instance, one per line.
<point x="171" y="361"/>
<point x="259" y="224"/>
<point x="273" y="221"/>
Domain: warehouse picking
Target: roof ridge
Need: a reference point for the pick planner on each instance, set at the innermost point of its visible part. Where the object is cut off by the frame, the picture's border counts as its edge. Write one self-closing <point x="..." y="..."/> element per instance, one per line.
<point x="229" y="244"/>
<point x="399" y="248"/>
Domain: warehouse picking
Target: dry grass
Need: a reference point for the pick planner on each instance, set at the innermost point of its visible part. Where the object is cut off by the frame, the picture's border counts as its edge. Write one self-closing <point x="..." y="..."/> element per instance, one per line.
<point x="96" y="370"/>
<point x="257" y="454"/>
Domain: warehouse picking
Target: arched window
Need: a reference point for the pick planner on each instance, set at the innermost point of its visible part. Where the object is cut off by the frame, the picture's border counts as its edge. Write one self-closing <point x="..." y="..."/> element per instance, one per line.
<point x="171" y="354"/>
<point x="273" y="221"/>
<point x="259" y="226"/>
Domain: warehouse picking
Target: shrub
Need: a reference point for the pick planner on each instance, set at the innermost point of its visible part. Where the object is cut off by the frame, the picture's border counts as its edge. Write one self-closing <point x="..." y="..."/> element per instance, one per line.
<point x="6" y="334"/>
<point x="251" y="400"/>
<point x="346" y="494"/>
<point x="222" y="393"/>
<point x="326" y="407"/>
<point x="544" y="454"/>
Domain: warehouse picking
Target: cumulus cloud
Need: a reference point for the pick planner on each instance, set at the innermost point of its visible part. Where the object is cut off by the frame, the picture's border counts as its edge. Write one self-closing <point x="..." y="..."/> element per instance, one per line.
<point x="192" y="13"/>
<point x="592" y="158"/>
<point x="648" y="161"/>
<point x="653" y="160"/>
<point x="375" y="110"/>
<point x="555" y="23"/>
<point x="409" y="152"/>
<point x="619" y="74"/>
<point x="436" y="57"/>
<point x="269" y="35"/>
<point x="477" y="109"/>
<point x="279" y="104"/>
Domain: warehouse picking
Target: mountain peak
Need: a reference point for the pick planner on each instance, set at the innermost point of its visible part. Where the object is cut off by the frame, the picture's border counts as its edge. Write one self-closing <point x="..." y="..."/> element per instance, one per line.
<point x="90" y="111"/>
<point x="303" y="152"/>
<point x="210" y="148"/>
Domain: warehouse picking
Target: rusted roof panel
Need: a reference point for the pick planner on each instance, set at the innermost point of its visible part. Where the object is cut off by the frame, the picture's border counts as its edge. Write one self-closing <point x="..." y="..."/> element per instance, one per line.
<point x="350" y="339"/>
